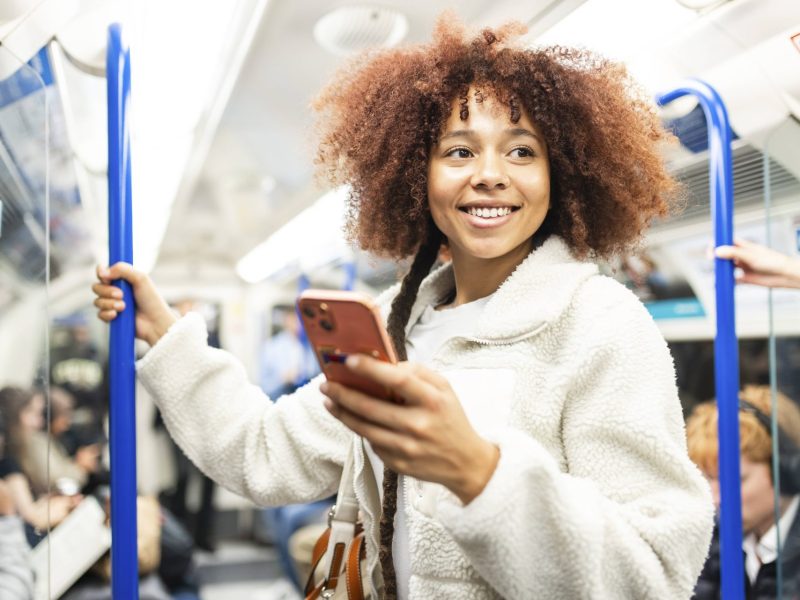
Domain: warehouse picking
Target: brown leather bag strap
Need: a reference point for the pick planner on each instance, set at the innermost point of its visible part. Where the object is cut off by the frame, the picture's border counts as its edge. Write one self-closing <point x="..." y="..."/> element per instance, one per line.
<point x="316" y="557"/>
<point x="320" y="546"/>
<point x="355" y="590"/>
<point x="344" y="533"/>
<point x="336" y="567"/>
<point x="315" y="591"/>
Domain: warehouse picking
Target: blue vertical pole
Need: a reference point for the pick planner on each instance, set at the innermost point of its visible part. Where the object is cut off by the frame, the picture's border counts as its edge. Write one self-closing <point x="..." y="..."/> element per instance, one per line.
<point x="726" y="353"/>
<point x="122" y="413"/>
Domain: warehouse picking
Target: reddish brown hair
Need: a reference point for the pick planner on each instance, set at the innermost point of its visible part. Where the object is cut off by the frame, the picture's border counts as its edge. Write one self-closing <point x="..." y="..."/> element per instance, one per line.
<point x="755" y="442"/>
<point x="384" y="111"/>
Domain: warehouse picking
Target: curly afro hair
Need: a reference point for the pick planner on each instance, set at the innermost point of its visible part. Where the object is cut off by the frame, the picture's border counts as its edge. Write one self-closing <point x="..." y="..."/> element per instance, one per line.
<point x="384" y="111"/>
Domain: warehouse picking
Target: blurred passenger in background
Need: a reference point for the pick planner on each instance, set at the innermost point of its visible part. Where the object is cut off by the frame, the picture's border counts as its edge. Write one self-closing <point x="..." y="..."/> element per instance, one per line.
<point x="761" y="534"/>
<point x="16" y="575"/>
<point x="78" y="367"/>
<point x="47" y="462"/>
<point x="761" y="265"/>
<point x="23" y="415"/>
<point x="286" y="362"/>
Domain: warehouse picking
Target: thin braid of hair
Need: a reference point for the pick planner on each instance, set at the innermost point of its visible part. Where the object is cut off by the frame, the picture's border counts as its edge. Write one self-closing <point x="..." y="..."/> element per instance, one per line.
<point x="396" y="327"/>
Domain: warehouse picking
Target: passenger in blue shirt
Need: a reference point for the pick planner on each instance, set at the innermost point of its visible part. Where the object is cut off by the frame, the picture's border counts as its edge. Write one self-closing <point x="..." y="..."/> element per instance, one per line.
<point x="286" y="362"/>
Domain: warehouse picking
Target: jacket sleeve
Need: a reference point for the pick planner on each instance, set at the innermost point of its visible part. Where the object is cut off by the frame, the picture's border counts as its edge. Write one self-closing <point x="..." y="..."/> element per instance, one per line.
<point x="632" y="516"/>
<point x="273" y="453"/>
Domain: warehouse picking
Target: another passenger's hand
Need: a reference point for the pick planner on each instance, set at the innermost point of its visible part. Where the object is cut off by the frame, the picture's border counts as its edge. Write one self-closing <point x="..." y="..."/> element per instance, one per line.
<point x="54" y="509"/>
<point x="61" y="506"/>
<point x="761" y="265"/>
<point x="428" y="437"/>
<point x="153" y="315"/>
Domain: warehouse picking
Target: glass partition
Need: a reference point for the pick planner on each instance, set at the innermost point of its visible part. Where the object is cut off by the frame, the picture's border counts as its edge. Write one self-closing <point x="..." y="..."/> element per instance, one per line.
<point x="52" y="369"/>
<point x="781" y="540"/>
<point x="29" y="510"/>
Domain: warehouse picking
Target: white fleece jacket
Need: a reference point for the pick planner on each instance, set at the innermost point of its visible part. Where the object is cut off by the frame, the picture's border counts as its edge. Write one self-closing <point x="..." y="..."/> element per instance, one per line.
<point x="594" y="495"/>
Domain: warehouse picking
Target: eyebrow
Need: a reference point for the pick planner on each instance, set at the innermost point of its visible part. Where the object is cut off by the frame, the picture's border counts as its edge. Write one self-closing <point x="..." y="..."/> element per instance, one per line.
<point x="514" y="131"/>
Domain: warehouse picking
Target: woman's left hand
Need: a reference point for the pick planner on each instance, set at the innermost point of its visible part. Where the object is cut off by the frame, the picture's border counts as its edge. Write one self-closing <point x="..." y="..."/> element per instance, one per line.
<point x="427" y="437"/>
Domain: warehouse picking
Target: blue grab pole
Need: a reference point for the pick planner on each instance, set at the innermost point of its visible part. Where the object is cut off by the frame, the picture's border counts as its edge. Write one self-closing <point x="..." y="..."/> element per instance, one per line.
<point x="122" y="413"/>
<point x="726" y="354"/>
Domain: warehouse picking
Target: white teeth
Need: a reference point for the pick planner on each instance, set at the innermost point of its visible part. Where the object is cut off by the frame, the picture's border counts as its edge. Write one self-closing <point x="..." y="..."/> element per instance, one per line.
<point x="489" y="213"/>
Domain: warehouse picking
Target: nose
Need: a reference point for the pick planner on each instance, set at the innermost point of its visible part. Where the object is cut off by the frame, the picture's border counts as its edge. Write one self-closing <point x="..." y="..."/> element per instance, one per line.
<point x="490" y="172"/>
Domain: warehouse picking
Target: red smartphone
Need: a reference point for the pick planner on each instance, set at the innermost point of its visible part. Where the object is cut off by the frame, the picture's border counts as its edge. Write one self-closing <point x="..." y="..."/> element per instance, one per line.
<point x="339" y="324"/>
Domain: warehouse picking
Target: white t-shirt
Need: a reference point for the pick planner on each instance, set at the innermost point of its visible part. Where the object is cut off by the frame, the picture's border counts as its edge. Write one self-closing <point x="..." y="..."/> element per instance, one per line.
<point x="428" y="334"/>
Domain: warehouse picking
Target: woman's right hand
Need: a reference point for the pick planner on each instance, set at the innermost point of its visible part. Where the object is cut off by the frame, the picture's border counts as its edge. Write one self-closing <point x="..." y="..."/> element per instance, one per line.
<point x="153" y="315"/>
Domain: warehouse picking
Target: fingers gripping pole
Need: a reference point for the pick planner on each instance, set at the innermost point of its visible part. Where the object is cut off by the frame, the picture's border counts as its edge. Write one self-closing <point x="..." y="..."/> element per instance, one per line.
<point x="122" y="414"/>
<point x="726" y="354"/>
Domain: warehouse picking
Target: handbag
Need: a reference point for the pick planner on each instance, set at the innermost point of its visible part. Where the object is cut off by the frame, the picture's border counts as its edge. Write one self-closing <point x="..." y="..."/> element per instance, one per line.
<point x="339" y="564"/>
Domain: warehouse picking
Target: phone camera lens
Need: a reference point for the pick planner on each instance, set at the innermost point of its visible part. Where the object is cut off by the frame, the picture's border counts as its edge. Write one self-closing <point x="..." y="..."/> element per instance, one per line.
<point x="309" y="312"/>
<point x="326" y="325"/>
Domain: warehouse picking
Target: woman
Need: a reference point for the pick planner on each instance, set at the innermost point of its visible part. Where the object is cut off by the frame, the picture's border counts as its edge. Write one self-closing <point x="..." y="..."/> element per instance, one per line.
<point x="540" y="449"/>
<point x="23" y="415"/>
<point x="45" y="460"/>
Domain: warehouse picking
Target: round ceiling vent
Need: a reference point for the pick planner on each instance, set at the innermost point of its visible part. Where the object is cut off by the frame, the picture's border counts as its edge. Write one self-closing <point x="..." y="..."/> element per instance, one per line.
<point x="350" y="29"/>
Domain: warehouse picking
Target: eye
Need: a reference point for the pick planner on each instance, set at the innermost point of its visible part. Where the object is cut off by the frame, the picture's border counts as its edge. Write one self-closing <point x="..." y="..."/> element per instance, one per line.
<point x="522" y="152"/>
<point x="459" y="152"/>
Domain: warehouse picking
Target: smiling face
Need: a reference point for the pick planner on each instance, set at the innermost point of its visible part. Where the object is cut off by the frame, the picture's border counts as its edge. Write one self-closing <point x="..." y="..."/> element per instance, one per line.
<point x="489" y="183"/>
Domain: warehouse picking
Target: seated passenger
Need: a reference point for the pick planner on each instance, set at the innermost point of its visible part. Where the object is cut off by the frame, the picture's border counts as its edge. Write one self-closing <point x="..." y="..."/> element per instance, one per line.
<point x="760" y="544"/>
<point x="539" y="450"/>
<point x="23" y="413"/>
<point x="45" y="460"/>
<point x="16" y="575"/>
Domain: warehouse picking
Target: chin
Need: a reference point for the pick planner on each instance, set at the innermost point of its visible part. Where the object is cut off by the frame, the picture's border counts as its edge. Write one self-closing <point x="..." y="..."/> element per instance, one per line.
<point x="495" y="250"/>
<point x="486" y="253"/>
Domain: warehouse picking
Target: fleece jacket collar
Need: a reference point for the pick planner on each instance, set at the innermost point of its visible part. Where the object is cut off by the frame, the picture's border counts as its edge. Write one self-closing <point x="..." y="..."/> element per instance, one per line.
<point x="536" y="293"/>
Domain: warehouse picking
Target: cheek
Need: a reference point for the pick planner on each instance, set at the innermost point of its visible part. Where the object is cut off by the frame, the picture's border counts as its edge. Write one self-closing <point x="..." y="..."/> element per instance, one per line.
<point x="538" y="189"/>
<point x="757" y="497"/>
<point x="438" y="203"/>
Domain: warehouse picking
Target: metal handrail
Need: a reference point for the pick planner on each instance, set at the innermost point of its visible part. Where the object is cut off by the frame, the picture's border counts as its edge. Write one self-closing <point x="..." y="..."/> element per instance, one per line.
<point x="122" y="411"/>
<point x="726" y="353"/>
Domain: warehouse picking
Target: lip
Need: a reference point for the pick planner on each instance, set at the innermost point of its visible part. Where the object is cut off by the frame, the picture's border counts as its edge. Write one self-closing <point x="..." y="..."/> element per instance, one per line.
<point x="486" y="204"/>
